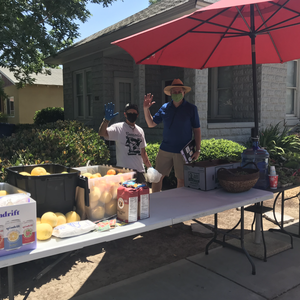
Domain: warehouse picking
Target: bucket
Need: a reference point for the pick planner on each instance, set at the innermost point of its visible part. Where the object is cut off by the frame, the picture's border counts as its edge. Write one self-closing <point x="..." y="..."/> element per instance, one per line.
<point x="261" y="158"/>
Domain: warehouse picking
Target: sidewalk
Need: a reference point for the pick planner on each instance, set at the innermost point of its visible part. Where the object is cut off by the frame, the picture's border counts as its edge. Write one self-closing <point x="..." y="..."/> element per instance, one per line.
<point x="223" y="274"/>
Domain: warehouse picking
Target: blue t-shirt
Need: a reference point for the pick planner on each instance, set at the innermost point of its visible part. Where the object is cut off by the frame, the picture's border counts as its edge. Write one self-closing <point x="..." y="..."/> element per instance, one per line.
<point x="178" y="125"/>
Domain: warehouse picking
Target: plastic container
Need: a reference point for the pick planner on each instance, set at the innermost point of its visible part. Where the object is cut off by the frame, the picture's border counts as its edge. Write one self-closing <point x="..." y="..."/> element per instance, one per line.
<point x="102" y="192"/>
<point x="261" y="158"/>
<point x="54" y="192"/>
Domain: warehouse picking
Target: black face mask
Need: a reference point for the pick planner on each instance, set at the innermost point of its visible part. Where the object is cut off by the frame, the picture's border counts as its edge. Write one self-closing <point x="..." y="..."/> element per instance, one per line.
<point x="131" y="117"/>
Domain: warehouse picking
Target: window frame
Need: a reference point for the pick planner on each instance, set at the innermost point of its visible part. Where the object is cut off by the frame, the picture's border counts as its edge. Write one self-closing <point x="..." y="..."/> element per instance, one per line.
<point x="296" y="93"/>
<point x="212" y="114"/>
<point x="117" y="81"/>
<point x="87" y="109"/>
<point x="7" y="109"/>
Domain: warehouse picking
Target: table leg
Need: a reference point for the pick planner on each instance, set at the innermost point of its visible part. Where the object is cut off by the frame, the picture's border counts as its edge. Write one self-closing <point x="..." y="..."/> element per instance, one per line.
<point x="242" y="241"/>
<point x="214" y="239"/>
<point x="10" y="277"/>
<point x="280" y="225"/>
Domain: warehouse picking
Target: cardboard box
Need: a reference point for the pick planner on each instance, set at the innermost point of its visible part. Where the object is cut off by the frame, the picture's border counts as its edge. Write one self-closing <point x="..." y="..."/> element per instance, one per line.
<point x="10" y="189"/>
<point x="203" y="175"/>
<point x="101" y="199"/>
<point x="18" y="228"/>
<point x="143" y="203"/>
<point x="127" y="208"/>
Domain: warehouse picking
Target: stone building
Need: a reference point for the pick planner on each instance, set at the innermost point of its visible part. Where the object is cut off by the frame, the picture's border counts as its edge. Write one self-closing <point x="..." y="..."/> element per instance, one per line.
<point x="96" y="72"/>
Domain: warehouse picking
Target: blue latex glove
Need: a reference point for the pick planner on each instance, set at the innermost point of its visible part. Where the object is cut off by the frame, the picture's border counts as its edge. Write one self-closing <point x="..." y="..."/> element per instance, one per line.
<point x="109" y="111"/>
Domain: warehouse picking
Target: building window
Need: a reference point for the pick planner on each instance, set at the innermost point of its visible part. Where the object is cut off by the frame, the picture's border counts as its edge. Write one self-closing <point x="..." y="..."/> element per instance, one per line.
<point x="220" y="84"/>
<point x="123" y="95"/>
<point x="291" y="87"/>
<point x="83" y="94"/>
<point x="10" y="106"/>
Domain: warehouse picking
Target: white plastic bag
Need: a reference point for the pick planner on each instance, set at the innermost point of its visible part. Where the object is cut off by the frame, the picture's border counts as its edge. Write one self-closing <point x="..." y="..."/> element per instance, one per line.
<point x="153" y="175"/>
<point x="73" y="229"/>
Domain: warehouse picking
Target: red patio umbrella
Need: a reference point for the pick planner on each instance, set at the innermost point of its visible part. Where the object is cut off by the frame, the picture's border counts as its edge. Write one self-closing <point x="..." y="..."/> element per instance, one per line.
<point x="226" y="33"/>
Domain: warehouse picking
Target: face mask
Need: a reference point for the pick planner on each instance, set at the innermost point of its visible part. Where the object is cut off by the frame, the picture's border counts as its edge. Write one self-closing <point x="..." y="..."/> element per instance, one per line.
<point x="177" y="97"/>
<point x="131" y="117"/>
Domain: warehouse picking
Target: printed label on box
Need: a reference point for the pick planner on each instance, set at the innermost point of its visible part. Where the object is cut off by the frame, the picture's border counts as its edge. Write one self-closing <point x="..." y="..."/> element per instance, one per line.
<point x="17" y="228"/>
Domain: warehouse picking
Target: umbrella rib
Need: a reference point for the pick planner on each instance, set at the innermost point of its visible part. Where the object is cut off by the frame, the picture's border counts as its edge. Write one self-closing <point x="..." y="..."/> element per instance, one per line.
<point x="190" y="30"/>
<point x="268" y="32"/>
<point x="218" y="43"/>
<point x="273" y="29"/>
<point x="218" y="25"/>
<point x="283" y="6"/>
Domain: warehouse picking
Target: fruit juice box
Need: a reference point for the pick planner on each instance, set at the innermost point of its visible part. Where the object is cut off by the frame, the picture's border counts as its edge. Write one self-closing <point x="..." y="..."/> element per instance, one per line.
<point x="18" y="227"/>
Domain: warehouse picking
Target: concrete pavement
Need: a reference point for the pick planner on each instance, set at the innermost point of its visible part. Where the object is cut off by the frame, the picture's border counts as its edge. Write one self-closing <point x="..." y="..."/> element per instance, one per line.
<point x="223" y="274"/>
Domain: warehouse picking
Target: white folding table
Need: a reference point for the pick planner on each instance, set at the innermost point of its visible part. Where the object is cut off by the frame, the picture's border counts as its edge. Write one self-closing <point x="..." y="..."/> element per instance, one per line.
<point x="166" y="208"/>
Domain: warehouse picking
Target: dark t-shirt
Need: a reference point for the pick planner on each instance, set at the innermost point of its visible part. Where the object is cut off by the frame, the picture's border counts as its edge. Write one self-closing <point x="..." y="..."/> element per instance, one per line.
<point x="178" y="124"/>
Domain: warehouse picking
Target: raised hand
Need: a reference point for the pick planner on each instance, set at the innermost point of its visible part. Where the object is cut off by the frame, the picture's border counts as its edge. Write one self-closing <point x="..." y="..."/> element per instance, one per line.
<point x="148" y="101"/>
<point x="109" y="111"/>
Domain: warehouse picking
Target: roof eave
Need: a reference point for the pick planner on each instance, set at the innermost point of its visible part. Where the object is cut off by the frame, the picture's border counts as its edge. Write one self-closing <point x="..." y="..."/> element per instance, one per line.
<point x="104" y="42"/>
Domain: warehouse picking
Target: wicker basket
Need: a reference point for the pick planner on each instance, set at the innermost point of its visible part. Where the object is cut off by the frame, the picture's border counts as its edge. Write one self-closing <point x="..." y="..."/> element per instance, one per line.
<point x="238" y="180"/>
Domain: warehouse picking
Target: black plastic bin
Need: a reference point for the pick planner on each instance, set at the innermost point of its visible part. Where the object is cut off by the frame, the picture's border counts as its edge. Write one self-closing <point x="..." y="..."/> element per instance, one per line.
<point x="54" y="192"/>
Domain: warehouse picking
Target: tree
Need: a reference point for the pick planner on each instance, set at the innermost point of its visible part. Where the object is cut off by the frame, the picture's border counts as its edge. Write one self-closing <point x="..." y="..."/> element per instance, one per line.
<point x="31" y="30"/>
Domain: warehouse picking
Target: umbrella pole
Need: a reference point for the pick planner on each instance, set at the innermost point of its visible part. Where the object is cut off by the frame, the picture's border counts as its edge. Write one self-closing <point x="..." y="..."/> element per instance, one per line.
<point x="252" y="35"/>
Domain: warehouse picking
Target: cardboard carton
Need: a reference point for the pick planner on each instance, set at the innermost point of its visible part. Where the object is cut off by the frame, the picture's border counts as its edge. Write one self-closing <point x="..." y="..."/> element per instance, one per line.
<point x="144" y="203"/>
<point x="203" y="175"/>
<point x="127" y="208"/>
<point x="18" y="227"/>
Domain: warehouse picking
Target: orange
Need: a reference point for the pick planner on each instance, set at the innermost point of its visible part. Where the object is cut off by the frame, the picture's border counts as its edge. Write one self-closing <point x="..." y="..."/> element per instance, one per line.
<point x="111" y="172"/>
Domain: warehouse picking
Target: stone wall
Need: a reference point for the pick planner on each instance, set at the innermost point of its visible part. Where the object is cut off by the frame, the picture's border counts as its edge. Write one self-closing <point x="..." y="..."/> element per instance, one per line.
<point x="273" y="89"/>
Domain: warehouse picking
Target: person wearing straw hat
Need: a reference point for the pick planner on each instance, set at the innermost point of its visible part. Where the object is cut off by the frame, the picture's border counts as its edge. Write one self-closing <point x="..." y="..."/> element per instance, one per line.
<point x="181" y="122"/>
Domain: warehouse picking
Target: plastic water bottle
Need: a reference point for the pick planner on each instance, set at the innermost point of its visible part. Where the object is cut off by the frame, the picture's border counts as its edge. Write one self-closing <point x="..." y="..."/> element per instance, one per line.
<point x="261" y="158"/>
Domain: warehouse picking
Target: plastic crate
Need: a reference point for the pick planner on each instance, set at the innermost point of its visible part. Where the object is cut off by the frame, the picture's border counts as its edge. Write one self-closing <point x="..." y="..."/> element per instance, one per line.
<point x="54" y="192"/>
<point x="101" y="201"/>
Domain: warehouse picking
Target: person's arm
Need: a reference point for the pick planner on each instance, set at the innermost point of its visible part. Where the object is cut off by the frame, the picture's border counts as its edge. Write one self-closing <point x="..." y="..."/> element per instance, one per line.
<point x="147" y="104"/>
<point x="197" y="136"/>
<point x="109" y="114"/>
<point x="145" y="158"/>
<point x="103" y="129"/>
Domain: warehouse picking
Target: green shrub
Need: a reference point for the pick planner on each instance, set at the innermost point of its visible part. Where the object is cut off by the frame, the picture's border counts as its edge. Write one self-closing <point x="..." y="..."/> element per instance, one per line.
<point x="152" y="150"/>
<point x="210" y="149"/>
<point x="68" y="143"/>
<point x="48" y="115"/>
<point x="277" y="141"/>
<point x="220" y="149"/>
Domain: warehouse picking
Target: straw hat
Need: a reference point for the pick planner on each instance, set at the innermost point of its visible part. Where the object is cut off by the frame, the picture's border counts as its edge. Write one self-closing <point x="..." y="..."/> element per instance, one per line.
<point x="176" y="83"/>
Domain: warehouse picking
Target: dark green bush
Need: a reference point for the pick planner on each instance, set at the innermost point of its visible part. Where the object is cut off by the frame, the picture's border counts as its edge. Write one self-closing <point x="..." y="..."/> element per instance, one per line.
<point x="48" y="115"/>
<point x="68" y="143"/>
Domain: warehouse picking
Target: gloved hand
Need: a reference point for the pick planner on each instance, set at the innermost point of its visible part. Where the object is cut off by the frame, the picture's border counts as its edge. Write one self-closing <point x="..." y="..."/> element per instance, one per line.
<point x="109" y="111"/>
